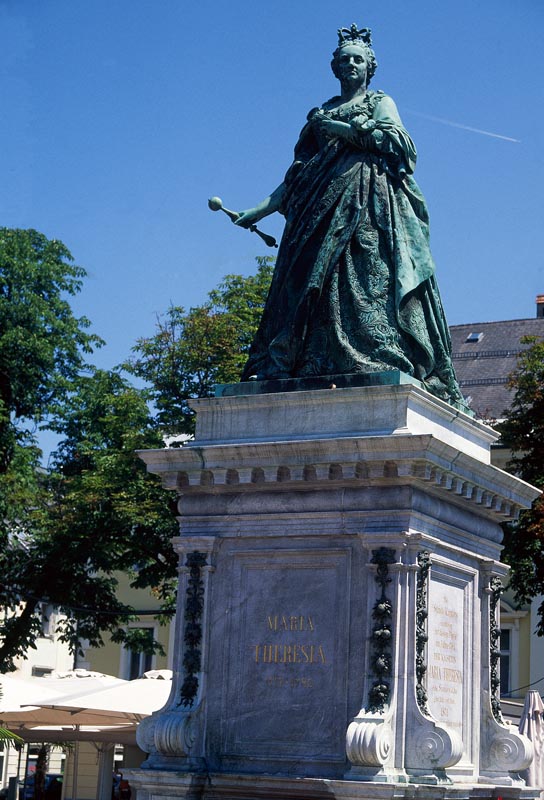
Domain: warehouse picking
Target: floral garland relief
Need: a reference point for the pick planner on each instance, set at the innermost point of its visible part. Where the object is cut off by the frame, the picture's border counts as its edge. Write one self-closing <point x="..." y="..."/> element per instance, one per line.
<point x="495" y="587"/>
<point x="382" y="634"/>
<point x="422" y="613"/>
<point x="192" y="638"/>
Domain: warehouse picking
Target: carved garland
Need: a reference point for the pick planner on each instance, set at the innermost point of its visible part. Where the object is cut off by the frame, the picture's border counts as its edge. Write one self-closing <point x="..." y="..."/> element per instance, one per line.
<point x="381" y="639"/>
<point x="495" y="587"/>
<point x="194" y="604"/>
<point x="422" y="613"/>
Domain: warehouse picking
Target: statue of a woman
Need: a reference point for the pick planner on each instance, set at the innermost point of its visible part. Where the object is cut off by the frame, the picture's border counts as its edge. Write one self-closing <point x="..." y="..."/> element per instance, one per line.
<point x="354" y="288"/>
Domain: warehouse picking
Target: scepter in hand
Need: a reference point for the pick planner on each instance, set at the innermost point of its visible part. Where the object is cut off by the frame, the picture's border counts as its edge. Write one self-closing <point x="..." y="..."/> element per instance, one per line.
<point x="216" y="204"/>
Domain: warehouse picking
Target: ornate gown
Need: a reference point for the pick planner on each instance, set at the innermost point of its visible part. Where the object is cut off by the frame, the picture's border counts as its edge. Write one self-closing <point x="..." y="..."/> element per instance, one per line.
<point x="354" y="288"/>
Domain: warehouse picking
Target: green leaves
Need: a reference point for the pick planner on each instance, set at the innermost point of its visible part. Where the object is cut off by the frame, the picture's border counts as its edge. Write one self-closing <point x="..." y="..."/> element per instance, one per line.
<point x="193" y="350"/>
<point x="110" y="517"/>
<point x="523" y="429"/>
<point x="7" y="737"/>
<point x="523" y="432"/>
<point x="93" y="518"/>
<point x="69" y="535"/>
<point x="41" y="342"/>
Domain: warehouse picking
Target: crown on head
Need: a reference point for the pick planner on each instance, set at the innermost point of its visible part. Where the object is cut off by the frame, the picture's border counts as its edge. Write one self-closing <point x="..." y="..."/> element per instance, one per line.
<point x="354" y="35"/>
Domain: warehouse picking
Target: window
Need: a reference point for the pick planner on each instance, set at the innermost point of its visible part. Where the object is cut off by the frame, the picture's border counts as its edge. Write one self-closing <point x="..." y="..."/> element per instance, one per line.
<point x="474" y="337"/>
<point x="509" y="649"/>
<point x="134" y="662"/>
<point x="505" y="654"/>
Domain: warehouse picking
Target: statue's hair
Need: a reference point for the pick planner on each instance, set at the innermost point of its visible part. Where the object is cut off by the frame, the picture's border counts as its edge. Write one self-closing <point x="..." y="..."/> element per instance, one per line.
<point x="361" y="38"/>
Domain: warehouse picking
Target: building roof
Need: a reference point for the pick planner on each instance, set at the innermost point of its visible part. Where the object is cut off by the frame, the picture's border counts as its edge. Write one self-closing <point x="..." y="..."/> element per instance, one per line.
<point x="484" y="355"/>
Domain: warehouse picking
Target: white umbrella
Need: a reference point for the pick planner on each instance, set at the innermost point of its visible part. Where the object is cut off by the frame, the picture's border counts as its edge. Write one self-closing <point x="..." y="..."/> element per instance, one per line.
<point x="116" y="734"/>
<point x="116" y="703"/>
<point x="531" y="725"/>
<point x="29" y="702"/>
<point x="16" y="691"/>
<point x="105" y="709"/>
<point x="21" y="709"/>
<point x="93" y="707"/>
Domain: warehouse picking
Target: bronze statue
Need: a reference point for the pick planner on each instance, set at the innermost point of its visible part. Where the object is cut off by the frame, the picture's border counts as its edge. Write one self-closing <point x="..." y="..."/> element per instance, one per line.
<point x="354" y="288"/>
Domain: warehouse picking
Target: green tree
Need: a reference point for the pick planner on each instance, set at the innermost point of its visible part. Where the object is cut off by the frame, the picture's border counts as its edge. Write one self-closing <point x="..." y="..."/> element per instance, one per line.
<point x="69" y="532"/>
<point x="193" y="350"/>
<point x="95" y="515"/>
<point x="42" y="351"/>
<point x="103" y="483"/>
<point x="65" y="534"/>
<point x="42" y="344"/>
<point x="523" y="432"/>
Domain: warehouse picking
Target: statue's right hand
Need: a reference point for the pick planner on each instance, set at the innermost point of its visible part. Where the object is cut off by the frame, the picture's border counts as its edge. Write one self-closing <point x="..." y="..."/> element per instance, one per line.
<point x="248" y="218"/>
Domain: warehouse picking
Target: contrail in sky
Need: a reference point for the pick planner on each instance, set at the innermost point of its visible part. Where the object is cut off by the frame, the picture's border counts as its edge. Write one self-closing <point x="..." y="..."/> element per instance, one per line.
<point x="463" y="127"/>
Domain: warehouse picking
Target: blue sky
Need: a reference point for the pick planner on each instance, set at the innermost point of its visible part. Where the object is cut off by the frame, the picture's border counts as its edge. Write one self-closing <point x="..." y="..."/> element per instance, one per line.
<point x="121" y="117"/>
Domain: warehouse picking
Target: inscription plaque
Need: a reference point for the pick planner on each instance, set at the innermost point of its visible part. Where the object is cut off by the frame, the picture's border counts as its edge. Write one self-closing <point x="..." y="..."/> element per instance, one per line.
<point x="287" y="654"/>
<point x="445" y="672"/>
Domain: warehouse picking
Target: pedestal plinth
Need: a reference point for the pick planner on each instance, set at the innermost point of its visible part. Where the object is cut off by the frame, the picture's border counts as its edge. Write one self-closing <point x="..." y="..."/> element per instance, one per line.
<point x="337" y="613"/>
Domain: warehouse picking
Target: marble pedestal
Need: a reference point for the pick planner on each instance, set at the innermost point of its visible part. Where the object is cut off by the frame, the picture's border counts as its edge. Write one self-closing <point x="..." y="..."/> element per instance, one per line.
<point x="339" y="586"/>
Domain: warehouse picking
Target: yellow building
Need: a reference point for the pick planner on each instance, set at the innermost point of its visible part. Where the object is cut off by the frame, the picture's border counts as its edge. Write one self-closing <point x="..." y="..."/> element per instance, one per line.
<point x="484" y="355"/>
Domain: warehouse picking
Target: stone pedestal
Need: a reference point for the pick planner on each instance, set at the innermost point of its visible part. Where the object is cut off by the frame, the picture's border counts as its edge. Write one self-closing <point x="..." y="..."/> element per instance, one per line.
<point x="339" y="586"/>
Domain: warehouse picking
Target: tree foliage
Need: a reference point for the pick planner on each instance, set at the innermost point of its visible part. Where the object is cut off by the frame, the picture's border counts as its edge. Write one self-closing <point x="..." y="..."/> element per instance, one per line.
<point x="99" y="473"/>
<point x="69" y="532"/>
<point x="94" y="515"/>
<point x="193" y="350"/>
<point x="523" y="432"/>
<point x="42" y="344"/>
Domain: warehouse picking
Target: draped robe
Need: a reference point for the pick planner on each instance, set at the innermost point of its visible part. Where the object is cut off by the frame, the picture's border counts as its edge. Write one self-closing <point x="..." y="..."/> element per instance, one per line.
<point x="354" y="288"/>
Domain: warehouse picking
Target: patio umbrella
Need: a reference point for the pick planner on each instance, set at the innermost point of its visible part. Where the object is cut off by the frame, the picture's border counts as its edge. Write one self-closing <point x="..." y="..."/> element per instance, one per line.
<point x="124" y="705"/>
<point x="16" y="691"/>
<point x="30" y="702"/>
<point x="58" y="734"/>
<point x="128" y="702"/>
<point x="532" y="725"/>
<point x="22" y="711"/>
<point x="118" y="704"/>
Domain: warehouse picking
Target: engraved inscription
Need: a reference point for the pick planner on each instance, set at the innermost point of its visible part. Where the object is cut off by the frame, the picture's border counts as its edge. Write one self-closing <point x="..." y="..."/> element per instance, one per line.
<point x="289" y="652"/>
<point x="280" y="682"/>
<point x="445" y="655"/>
<point x="277" y="622"/>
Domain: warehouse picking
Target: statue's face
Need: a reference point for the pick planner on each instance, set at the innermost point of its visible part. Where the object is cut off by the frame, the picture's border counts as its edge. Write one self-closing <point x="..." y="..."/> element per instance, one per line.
<point x="351" y="65"/>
